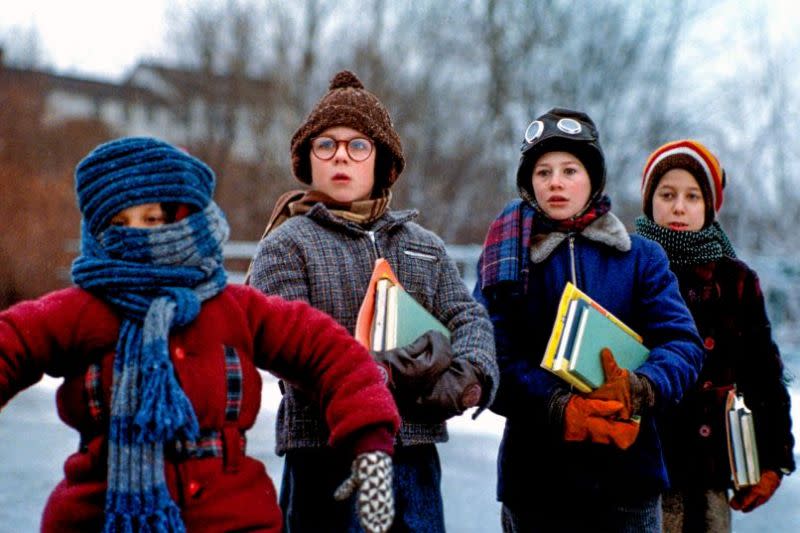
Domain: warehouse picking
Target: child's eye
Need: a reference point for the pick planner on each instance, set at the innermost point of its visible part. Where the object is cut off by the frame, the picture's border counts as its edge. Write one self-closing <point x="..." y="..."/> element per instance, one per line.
<point x="117" y="222"/>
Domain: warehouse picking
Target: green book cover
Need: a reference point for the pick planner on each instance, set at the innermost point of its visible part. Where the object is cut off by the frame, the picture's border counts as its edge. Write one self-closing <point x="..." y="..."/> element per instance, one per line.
<point x="595" y="332"/>
<point x="408" y="319"/>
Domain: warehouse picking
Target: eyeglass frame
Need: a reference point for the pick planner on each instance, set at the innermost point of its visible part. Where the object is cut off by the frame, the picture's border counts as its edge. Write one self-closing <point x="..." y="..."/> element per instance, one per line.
<point x="346" y="142"/>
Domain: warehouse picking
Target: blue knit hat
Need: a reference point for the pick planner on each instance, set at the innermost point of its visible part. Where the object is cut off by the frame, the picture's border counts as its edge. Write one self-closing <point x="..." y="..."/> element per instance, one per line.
<point x="138" y="170"/>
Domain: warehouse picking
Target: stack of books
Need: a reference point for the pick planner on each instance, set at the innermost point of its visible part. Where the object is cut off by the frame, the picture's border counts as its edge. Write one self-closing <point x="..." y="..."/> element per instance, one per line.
<point x="582" y="328"/>
<point x="742" y="448"/>
<point x="389" y="316"/>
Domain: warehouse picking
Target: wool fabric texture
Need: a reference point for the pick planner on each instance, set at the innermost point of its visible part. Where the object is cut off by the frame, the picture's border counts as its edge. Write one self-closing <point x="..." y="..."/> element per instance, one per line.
<point x="157" y="279"/>
<point x="696" y="159"/>
<point x="348" y="103"/>
<point x="138" y="170"/>
<point x="584" y="145"/>
<point x="687" y="248"/>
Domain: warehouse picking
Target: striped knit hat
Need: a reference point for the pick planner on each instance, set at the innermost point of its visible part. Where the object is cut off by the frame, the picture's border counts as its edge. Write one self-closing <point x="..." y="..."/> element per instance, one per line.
<point x="696" y="159"/>
<point x="347" y="103"/>
<point x="138" y="170"/>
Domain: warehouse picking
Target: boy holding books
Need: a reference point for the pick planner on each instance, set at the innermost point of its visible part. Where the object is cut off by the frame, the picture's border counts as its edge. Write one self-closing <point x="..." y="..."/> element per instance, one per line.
<point x="320" y="246"/>
<point x="574" y="461"/>
<point x="682" y="193"/>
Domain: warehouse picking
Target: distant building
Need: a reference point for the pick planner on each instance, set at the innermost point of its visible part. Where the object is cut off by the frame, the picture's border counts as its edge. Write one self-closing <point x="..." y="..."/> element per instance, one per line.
<point x="182" y="106"/>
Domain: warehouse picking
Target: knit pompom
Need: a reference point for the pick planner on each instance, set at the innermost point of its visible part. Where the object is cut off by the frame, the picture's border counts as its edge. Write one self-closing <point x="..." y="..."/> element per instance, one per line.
<point x="345" y="79"/>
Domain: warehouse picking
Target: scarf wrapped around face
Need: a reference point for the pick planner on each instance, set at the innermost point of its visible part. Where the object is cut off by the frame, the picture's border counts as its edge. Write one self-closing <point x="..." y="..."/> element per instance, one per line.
<point x="688" y="248"/>
<point x="157" y="279"/>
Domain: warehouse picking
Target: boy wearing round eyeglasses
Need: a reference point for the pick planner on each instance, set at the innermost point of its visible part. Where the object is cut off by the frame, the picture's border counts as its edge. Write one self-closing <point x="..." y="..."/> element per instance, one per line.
<point x="573" y="461"/>
<point x="320" y="246"/>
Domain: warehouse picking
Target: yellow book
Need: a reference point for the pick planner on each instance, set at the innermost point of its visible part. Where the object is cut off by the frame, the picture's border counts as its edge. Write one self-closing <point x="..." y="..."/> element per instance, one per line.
<point x="561" y="334"/>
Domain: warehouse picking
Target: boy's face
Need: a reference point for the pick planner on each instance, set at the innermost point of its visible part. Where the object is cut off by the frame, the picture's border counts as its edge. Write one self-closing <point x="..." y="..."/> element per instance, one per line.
<point x="561" y="185"/>
<point x="678" y="202"/>
<point x="140" y="216"/>
<point x="341" y="177"/>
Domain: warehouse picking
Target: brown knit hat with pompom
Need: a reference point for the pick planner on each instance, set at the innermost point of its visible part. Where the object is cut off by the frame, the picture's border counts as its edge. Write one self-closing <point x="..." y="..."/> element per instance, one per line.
<point x="348" y="103"/>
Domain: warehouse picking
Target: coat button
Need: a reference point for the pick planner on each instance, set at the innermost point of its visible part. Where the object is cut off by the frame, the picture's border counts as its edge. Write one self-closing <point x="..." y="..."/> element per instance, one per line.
<point x="180" y="353"/>
<point x="194" y="488"/>
<point x="709" y="343"/>
<point x="705" y="430"/>
<point x="707" y="385"/>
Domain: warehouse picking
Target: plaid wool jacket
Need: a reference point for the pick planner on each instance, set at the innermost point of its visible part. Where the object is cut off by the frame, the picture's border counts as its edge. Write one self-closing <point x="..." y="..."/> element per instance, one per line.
<point x="328" y="261"/>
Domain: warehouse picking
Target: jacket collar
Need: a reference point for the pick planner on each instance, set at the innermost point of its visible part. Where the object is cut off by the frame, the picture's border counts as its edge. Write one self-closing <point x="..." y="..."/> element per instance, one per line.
<point x="388" y="221"/>
<point x="607" y="229"/>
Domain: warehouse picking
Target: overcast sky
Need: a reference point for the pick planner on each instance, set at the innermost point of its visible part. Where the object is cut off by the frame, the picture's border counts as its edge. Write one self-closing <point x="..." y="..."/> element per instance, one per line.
<point x="104" y="39"/>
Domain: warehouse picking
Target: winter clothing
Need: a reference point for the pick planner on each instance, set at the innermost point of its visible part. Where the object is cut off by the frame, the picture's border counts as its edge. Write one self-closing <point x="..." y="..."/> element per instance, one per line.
<point x="348" y="103"/>
<point x="727" y="305"/>
<point x="375" y="504"/>
<point x="327" y="261"/>
<point x="615" y="515"/>
<point x="751" y="497"/>
<point x="621" y="385"/>
<point x="311" y="475"/>
<point x="146" y="296"/>
<point x="696" y="159"/>
<point x="726" y="301"/>
<point x="630" y="277"/>
<point x="562" y="130"/>
<point x="149" y="407"/>
<point x="688" y="248"/>
<point x="155" y="278"/>
<point x="138" y="170"/>
<point x="598" y="421"/>
<point x="215" y="484"/>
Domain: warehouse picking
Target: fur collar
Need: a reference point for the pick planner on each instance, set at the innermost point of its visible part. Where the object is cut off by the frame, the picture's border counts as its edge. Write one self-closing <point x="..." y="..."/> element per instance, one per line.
<point x="607" y="229"/>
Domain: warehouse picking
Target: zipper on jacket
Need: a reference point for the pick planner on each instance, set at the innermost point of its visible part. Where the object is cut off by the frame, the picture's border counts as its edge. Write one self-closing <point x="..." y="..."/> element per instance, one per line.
<point x="572" y="259"/>
<point x="374" y="242"/>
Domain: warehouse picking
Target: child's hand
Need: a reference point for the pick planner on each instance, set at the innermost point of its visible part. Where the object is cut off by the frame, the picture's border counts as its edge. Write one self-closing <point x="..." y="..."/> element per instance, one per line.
<point x="371" y="478"/>
<point x="751" y="497"/>
<point x="414" y="368"/>
<point x="456" y="390"/>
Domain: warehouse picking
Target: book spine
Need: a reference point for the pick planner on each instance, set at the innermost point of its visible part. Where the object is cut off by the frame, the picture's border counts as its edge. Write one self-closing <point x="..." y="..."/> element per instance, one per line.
<point x="735" y="436"/>
<point x="750" y="450"/>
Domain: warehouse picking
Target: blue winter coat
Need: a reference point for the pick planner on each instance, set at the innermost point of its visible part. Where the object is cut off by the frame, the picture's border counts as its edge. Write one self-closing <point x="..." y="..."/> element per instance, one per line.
<point x="630" y="277"/>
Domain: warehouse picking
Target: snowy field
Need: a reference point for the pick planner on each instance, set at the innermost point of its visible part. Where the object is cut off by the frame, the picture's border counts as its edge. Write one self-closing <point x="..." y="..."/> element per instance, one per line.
<point x="34" y="444"/>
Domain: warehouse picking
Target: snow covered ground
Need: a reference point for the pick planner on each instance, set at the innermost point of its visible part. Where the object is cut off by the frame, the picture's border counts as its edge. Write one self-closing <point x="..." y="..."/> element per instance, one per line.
<point x="33" y="445"/>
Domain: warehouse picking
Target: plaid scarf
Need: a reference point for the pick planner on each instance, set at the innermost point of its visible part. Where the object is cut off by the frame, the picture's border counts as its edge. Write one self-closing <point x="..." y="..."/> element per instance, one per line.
<point x="505" y="256"/>
<point x="157" y="279"/>
<point x="688" y="248"/>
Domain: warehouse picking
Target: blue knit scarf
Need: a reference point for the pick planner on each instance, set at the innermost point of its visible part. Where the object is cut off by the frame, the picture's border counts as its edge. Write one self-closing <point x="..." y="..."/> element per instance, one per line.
<point x="156" y="278"/>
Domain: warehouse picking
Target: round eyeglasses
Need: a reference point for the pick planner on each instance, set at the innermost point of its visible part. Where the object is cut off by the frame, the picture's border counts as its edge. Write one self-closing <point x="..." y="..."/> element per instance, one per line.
<point x="358" y="148"/>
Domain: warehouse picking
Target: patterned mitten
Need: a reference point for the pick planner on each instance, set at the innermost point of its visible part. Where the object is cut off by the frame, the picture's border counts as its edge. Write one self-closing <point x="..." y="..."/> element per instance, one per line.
<point x="371" y="477"/>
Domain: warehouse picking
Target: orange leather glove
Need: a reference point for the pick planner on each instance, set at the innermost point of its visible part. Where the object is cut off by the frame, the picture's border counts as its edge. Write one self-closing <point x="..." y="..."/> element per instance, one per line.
<point x="617" y="386"/>
<point x="748" y="498"/>
<point x="597" y="420"/>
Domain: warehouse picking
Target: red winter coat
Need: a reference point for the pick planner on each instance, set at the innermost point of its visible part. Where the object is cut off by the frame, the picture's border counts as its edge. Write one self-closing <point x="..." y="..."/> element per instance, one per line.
<point x="70" y="333"/>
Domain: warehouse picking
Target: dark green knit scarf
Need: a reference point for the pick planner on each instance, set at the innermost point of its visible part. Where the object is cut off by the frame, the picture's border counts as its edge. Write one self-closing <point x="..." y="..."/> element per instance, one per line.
<point x="688" y="248"/>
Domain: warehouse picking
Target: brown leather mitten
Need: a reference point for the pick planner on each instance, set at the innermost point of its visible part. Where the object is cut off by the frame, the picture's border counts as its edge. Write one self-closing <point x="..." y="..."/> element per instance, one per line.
<point x="748" y="498"/>
<point x="414" y="369"/>
<point x="597" y="420"/>
<point x="456" y="390"/>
